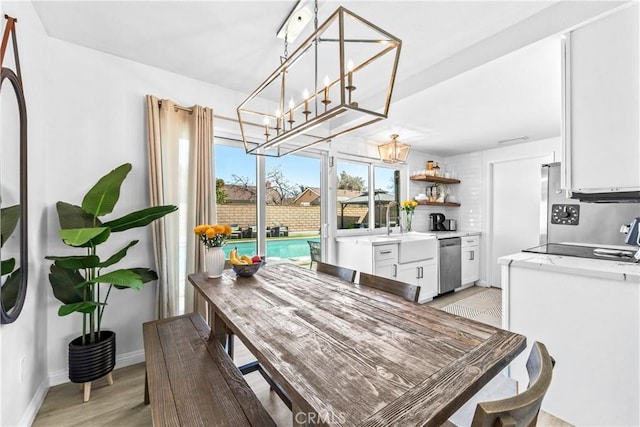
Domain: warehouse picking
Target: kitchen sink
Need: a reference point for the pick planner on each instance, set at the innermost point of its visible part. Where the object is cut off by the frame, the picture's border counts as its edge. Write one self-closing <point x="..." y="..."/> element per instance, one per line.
<point x="416" y="247"/>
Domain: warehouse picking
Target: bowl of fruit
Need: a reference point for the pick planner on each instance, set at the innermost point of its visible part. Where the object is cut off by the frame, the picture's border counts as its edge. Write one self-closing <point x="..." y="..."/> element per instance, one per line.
<point x="244" y="265"/>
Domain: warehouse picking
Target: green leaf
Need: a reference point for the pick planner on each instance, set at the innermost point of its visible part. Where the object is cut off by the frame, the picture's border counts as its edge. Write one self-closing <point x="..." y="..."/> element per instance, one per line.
<point x="139" y="218"/>
<point x="102" y="198"/>
<point x="81" y="236"/>
<point x="64" y="282"/>
<point x="125" y="278"/>
<point x="9" y="218"/>
<point x="75" y="262"/>
<point x="10" y="288"/>
<point x="7" y="266"/>
<point x="72" y="216"/>
<point x="81" y="307"/>
<point x="118" y="255"/>
<point x="146" y="274"/>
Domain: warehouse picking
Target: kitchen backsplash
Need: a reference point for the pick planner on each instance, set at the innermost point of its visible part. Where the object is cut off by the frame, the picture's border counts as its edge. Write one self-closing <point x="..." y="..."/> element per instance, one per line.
<point x="468" y="168"/>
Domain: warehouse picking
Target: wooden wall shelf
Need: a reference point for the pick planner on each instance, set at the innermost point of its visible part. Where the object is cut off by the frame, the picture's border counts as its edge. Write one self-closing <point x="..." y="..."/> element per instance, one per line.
<point x="446" y="204"/>
<point x="439" y="179"/>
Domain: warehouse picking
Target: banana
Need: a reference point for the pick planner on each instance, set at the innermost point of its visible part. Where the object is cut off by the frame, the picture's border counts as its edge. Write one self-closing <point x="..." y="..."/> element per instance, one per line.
<point x="233" y="256"/>
<point x="246" y="259"/>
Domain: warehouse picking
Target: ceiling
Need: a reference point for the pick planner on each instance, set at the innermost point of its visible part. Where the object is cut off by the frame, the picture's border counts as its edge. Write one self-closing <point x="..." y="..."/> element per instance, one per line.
<point x="470" y="74"/>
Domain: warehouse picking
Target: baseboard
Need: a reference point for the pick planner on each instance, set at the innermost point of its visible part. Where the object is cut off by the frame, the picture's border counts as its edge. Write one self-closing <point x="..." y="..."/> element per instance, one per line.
<point x="34" y="405"/>
<point x="61" y="376"/>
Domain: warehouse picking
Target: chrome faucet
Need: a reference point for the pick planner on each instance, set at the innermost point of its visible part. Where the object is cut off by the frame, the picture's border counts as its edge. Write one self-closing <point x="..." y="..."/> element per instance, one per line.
<point x="393" y="203"/>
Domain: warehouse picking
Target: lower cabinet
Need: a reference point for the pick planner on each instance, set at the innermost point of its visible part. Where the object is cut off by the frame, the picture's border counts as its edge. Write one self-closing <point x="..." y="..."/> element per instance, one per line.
<point x="384" y="261"/>
<point x="423" y="274"/>
<point x="470" y="262"/>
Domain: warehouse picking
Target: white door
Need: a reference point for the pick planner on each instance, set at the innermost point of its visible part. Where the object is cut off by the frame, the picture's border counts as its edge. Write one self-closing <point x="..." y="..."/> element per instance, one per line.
<point x="515" y="221"/>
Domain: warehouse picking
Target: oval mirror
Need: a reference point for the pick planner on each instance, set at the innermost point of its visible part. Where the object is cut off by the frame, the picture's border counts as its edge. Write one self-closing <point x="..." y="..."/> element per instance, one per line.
<point x="13" y="197"/>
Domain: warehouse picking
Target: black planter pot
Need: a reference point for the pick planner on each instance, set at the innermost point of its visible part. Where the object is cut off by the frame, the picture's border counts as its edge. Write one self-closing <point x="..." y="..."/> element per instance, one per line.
<point x="92" y="361"/>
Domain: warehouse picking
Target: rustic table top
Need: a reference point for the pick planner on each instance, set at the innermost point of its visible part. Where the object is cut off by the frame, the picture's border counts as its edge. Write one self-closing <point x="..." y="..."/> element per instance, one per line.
<point x="355" y="355"/>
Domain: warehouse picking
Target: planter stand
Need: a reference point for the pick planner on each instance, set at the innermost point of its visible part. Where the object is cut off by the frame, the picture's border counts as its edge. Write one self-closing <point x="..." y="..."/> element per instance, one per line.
<point x="86" y="387"/>
<point x="92" y="361"/>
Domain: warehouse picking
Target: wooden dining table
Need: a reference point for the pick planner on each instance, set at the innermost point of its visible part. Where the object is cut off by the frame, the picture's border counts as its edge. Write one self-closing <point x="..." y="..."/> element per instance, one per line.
<point x="349" y="355"/>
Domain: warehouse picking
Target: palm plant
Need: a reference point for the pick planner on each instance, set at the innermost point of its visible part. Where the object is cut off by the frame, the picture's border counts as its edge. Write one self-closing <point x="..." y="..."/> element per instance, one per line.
<point x="76" y="280"/>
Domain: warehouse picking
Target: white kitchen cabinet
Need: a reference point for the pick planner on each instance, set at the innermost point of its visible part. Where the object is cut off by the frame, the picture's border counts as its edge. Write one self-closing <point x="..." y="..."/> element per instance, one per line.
<point x="385" y="258"/>
<point x="586" y="312"/>
<point x="601" y="129"/>
<point x="423" y="274"/>
<point x="470" y="262"/>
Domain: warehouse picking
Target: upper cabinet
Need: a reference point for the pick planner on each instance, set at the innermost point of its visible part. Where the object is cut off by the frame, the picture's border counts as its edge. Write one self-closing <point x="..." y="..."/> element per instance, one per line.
<point x="601" y="137"/>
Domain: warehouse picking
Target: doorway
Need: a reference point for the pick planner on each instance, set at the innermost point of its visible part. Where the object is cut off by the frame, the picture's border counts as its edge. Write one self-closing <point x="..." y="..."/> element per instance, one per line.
<point x="515" y="209"/>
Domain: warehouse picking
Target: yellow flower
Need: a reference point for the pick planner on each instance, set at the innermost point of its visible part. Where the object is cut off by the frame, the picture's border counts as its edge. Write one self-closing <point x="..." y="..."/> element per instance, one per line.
<point x="211" y="232"/>
<point x="219" y="229"/>
<point x="227" y="230"/>
<point x="409" y="205"/>
<point x="199" y="229"/>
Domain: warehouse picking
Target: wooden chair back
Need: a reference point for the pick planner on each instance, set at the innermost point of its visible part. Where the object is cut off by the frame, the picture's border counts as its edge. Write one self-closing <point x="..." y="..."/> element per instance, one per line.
<point x="342" y="272"/>
<point x="522" y="409"/>
<point x="314" y="251"/>
<point x="405" y="290"/>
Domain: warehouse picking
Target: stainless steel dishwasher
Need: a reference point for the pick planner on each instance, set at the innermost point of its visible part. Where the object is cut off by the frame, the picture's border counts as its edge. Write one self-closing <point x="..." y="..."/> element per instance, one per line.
<point x="450" y="256"/>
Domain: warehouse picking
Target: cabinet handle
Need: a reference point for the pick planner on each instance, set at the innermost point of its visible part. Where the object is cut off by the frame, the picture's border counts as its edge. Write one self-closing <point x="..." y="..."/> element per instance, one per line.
<point x="395" y="270"/>
<point x="470" y="241"/>
<point x="417" y="272"/>
<point x="421" y="273"/>
<point x="472" y="255"/>
<point x="385" y="252"/>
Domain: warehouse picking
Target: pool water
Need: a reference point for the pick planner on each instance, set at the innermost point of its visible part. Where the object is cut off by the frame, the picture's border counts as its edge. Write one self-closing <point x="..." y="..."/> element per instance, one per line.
<point x="281" y="248"/>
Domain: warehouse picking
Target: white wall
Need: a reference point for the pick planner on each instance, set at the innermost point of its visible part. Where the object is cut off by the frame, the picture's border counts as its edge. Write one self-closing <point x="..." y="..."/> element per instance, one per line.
<point x="23" y="343"/>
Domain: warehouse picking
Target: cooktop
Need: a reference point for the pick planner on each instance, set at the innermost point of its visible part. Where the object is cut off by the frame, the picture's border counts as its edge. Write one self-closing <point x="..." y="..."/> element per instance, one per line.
<point x="620" y="255"/>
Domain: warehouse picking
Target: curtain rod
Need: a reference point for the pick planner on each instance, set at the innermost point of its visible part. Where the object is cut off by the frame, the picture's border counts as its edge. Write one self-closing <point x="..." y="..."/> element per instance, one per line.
<point x="229" y="119"/>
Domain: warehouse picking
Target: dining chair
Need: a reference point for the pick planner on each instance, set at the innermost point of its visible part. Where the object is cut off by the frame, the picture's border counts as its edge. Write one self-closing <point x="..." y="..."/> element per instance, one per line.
<point x="342" y="272"/>
<point x="521" y="409"/>
<point x="405" y="290"/>
<point x="314" y="250"/>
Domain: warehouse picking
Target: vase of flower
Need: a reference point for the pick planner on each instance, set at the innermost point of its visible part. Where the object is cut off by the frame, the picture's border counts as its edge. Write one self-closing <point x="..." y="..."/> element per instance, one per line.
<point x="214" y="261"/>
<point x="213" y="237"/>
<point x="409" y="220"/>
<point x="408" y="206"/>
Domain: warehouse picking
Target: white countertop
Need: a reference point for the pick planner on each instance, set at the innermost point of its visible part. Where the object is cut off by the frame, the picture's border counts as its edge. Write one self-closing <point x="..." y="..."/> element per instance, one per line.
<point x="625" y="271"/>
<point x="383" y="239"/>
<point x="451" y="234"/>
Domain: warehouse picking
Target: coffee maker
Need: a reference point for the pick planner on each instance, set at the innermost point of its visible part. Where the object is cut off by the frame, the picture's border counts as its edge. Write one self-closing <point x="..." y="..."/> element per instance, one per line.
<point x="437" y="222"/>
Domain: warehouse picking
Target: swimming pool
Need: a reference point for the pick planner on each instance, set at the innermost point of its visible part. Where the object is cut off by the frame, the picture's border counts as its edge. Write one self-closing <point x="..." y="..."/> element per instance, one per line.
<point x="280" y="248"/>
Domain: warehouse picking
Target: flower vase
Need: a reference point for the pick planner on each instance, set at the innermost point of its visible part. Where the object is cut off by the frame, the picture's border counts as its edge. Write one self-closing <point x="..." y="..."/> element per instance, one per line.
<point x="214" y="261"/>
<point x="409" y="219"/>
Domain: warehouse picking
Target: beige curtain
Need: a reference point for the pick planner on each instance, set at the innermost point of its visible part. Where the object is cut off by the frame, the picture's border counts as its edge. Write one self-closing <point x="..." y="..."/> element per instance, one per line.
<point x="179" y="146"/>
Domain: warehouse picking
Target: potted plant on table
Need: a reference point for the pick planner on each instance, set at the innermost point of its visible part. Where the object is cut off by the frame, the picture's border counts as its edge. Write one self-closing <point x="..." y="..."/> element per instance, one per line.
<point x="78" y="280"/>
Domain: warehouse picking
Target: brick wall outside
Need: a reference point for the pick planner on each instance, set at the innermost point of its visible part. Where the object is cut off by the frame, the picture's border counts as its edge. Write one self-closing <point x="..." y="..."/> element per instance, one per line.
<point x="297" y="218"/>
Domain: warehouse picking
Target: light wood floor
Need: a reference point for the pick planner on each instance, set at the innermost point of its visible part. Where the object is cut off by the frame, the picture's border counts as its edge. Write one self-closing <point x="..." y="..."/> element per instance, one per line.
<point x="121" y="404"/>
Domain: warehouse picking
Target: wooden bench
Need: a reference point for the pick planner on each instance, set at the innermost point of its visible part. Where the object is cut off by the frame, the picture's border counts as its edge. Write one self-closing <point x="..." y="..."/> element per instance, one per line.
<point x="190" y="379"/>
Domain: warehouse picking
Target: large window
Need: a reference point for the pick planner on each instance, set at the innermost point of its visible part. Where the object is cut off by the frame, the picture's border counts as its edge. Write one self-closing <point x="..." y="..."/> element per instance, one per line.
<point x="292" y="202"/>
<point x="386" y="181"/>
<point x="352" y="197"/>
<point x="364" y="193"/>
<point x="236" y="197"/>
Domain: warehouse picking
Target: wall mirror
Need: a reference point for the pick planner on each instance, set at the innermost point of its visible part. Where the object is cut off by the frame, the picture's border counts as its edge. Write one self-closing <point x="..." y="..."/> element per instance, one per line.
<point x="13" y="197"/>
